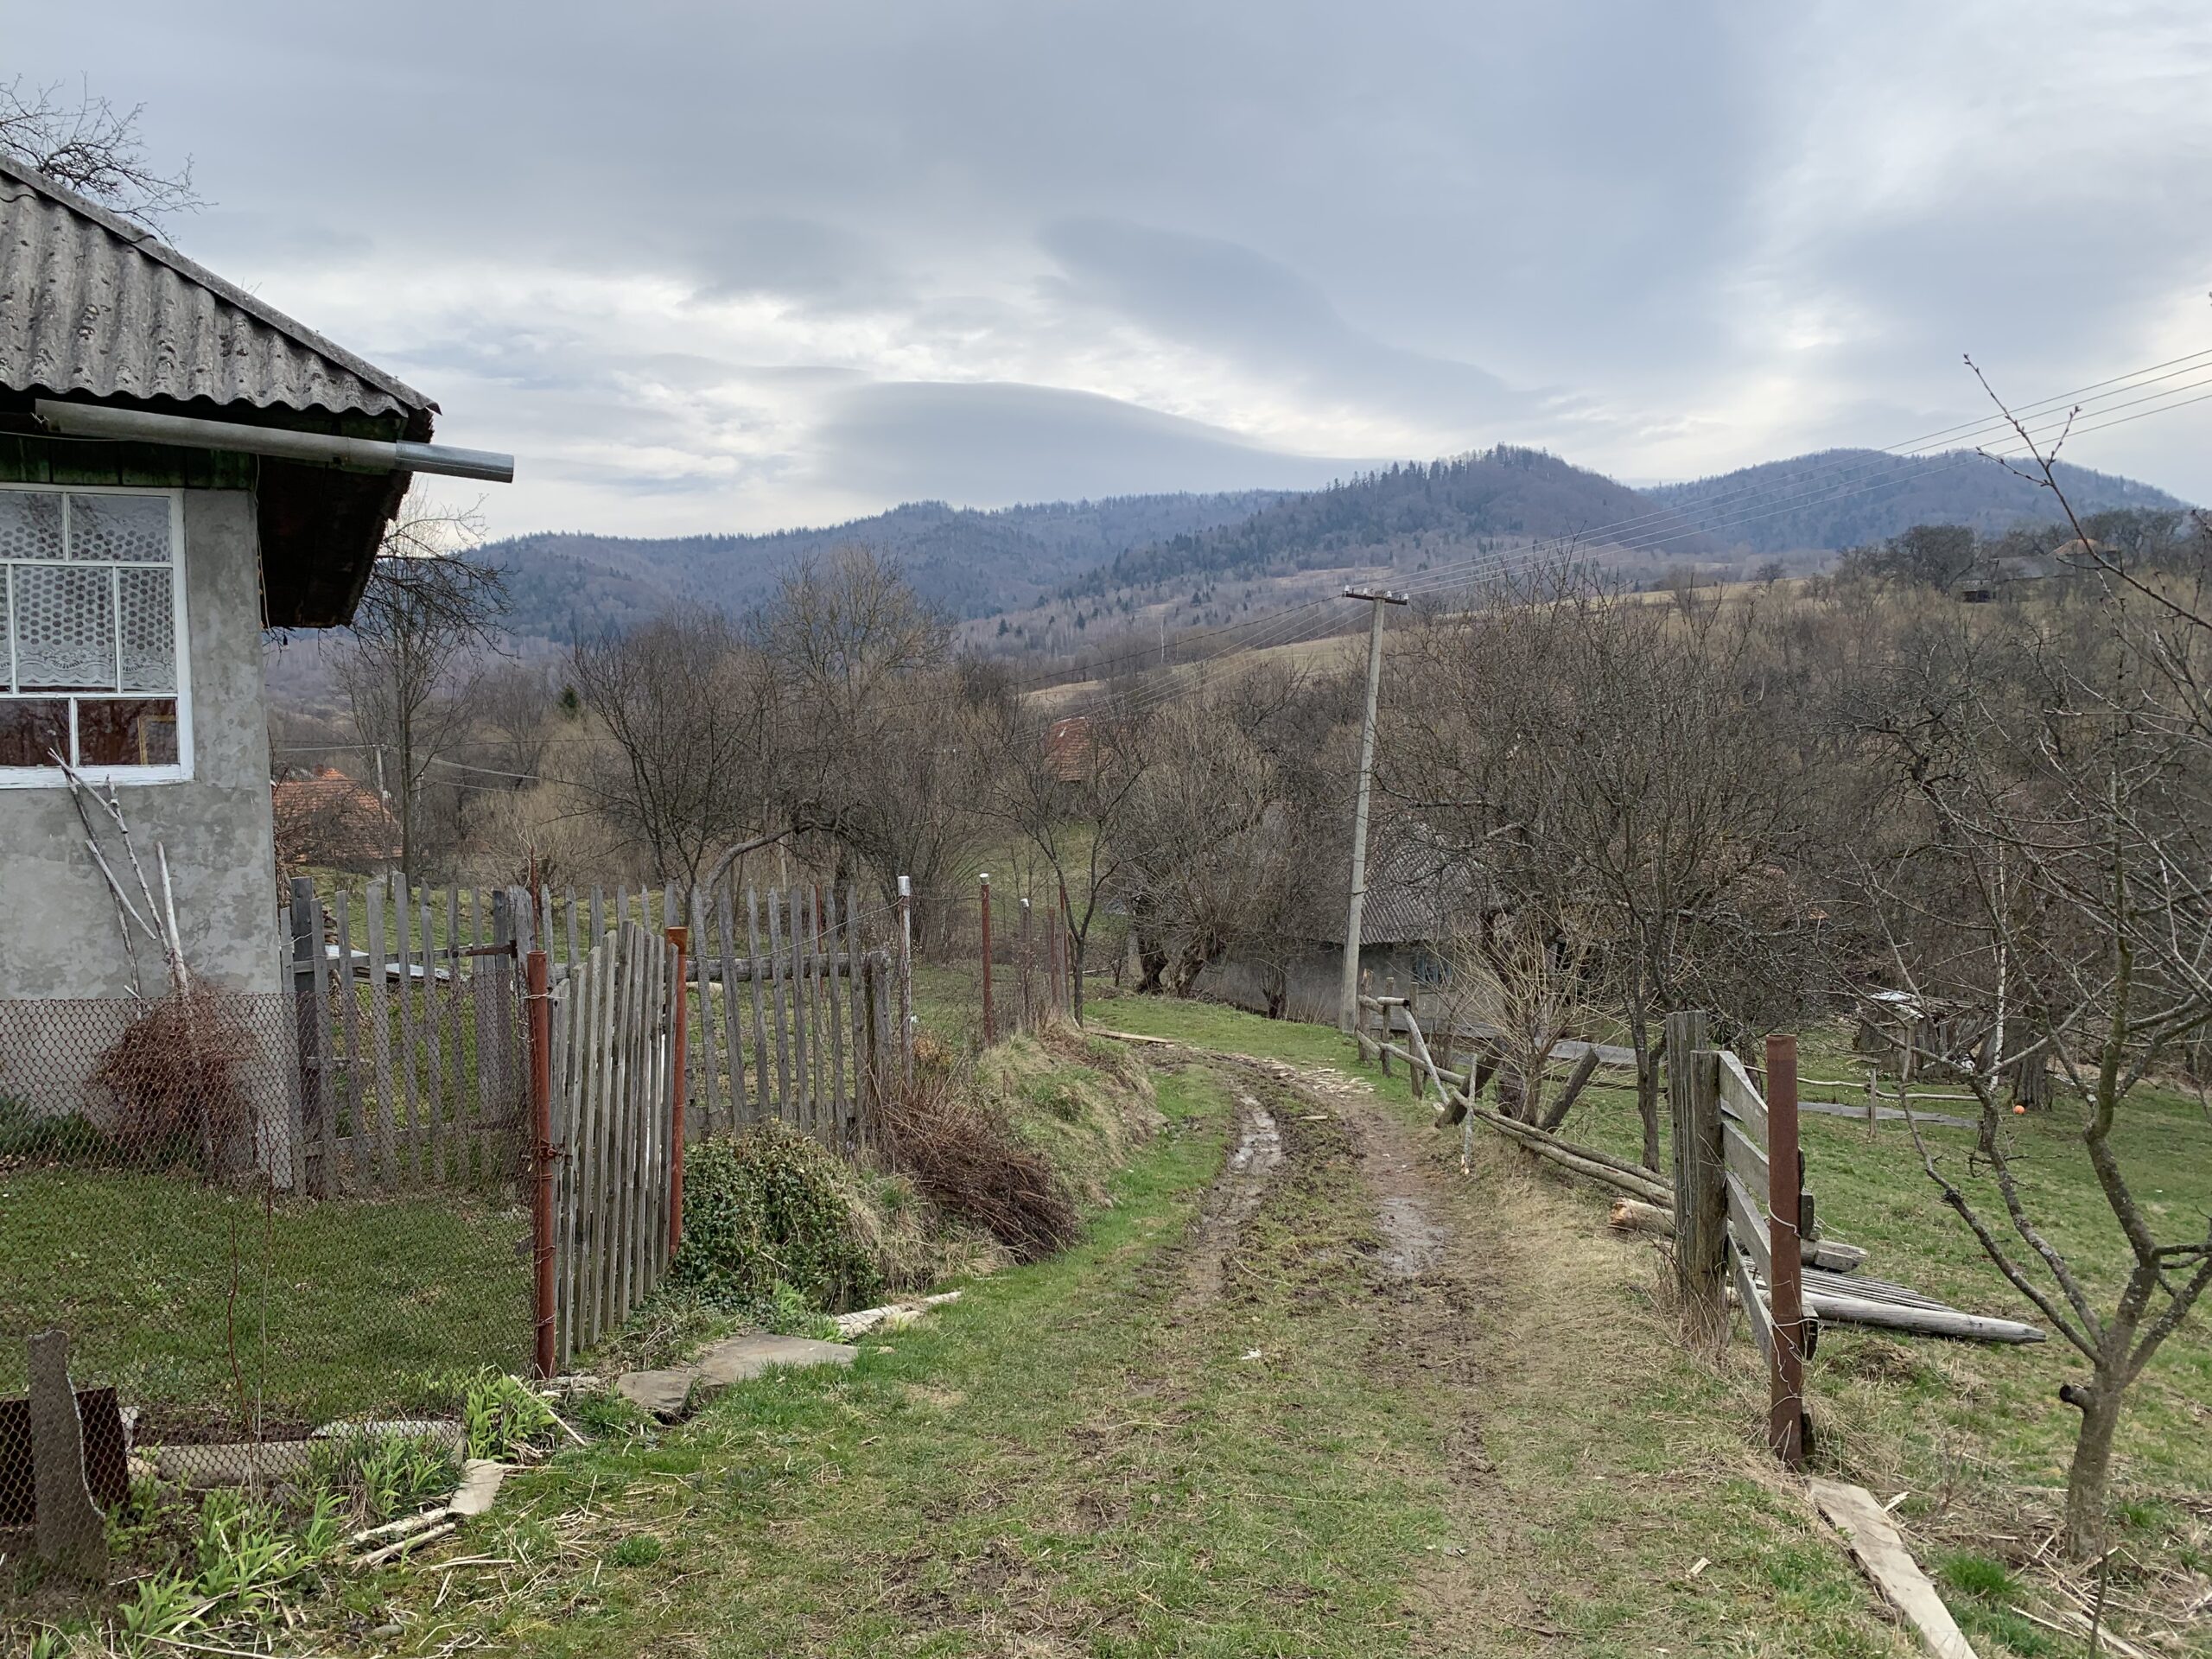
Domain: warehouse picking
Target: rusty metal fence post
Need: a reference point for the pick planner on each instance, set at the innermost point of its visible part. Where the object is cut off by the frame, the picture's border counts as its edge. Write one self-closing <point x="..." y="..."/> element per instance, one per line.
<point x="1785" y="1292"/>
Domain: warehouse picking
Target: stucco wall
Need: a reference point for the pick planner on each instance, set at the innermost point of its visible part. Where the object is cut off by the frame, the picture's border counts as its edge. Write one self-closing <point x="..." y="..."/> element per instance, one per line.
<point x="58" y="935"/>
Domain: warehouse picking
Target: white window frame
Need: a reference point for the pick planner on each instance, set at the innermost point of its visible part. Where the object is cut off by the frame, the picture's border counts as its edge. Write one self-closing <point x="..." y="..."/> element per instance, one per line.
<point x="180" y="770"/>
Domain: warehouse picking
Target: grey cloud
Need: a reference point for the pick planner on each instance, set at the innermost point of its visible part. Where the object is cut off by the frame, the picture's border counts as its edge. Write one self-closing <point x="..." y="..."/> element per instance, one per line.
<point x="1223" y="296"/>
<point x="993" y="444"/>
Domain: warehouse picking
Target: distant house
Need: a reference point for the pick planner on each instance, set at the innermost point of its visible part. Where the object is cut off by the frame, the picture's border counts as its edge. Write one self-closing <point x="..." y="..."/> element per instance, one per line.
<point x="324" y="817"/>
<point x="1068" y="748"/>
<point x="1419" y="895"/>
<point x="180" y="467"/>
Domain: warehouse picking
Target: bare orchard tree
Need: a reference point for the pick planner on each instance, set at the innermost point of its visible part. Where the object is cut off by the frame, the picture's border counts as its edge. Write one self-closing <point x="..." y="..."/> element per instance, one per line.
<point x="2059" y="771"/>
<point x="83" y="141"/>
<point x="1524" y="976"/>
<point x="874" y="722"/>
<point x="1067" y="782"/>
<point x="689" y="763"/>
<point x="429" y="603"/>
<point x="1597" y="756"/>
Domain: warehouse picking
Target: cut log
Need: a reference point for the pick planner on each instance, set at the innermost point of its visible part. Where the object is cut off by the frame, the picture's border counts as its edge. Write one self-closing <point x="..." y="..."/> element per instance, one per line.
<point x="1882" y="1555"/>
<point x="1634" y="1216"/>
<point x="1922" y="1321"/>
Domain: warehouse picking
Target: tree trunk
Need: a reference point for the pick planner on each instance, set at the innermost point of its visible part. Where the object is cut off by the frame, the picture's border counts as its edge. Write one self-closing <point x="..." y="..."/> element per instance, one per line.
<point x="2088" y="1478"/>
<point x="1079" y="946"/>
<point x="1152" y="966"/>
<point x="1647" y="1084"/>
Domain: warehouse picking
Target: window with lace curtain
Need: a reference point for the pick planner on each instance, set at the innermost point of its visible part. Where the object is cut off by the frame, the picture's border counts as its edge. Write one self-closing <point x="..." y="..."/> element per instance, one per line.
<point x="91" y="597"/>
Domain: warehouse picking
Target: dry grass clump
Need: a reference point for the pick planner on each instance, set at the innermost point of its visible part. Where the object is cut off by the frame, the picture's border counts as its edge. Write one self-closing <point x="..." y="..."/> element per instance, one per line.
<point x="959" y="1151"/>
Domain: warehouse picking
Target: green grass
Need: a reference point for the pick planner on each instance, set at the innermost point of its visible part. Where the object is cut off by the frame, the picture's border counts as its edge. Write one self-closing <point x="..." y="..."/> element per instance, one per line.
<point x="1084" y="1456"/>
<point x="352" y="1304"/>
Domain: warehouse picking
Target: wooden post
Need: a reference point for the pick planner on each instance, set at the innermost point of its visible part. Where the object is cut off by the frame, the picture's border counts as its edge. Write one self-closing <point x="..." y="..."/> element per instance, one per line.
<point x="310" y="1015"/>
<point x="907" y="979"/>
<point x="990" y="1031"/>
<point x="1028" y="1017"/>
<point x="1786" y="1390"/>
<point x="1701" y="1190"/>
<point x="542" y="1154"/>
<point x="680" y="940"/>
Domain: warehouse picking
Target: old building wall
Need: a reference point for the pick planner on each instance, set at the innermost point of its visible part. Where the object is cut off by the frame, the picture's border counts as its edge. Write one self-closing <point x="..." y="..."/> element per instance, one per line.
<point x="58" y="933"/>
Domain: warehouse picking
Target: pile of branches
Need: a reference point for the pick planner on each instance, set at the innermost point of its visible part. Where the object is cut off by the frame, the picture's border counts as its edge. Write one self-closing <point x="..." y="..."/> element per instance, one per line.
<point x="174" y="1081"/>
<point x="967" y="1161"/>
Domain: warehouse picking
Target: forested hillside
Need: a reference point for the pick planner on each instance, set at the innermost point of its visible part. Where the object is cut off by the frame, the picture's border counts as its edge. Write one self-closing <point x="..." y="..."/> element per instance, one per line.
<point x="1405" y="517"/>
<point x="969" y="562"/>
<point x="1852" y="498"/>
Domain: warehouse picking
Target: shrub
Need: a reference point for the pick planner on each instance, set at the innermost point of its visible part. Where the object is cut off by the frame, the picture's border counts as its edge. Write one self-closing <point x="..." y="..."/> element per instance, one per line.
<point x="772" y="1206"/>
<point x="173" y="1080"/>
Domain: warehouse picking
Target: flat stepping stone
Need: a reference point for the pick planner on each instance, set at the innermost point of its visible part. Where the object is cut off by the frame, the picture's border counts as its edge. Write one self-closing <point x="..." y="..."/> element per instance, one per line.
<point x="668" y="1394"/>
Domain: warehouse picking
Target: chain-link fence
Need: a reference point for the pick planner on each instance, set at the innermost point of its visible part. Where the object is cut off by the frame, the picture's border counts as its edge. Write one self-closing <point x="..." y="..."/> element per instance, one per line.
<point x="259" y="1218"/>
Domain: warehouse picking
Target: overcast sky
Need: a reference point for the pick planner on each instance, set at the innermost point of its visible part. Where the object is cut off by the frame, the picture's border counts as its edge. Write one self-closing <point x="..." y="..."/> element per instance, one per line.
<point x="737" y="267"/>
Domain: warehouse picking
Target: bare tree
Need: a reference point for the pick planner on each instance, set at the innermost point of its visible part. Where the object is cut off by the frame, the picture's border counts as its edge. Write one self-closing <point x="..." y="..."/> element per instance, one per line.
<point x="2061" y="881"/>
<point x="690" y="765"/>
<point x="1523" y="976"/>
<point x="1068" y="783"/>
<point x="96" y="150"/>
<point x="428" y="603"/>
<point x="1599" y="756"/>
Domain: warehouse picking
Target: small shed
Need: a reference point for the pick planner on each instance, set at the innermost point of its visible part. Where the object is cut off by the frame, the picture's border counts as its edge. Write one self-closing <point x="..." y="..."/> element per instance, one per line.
<point x="181" y="466"/>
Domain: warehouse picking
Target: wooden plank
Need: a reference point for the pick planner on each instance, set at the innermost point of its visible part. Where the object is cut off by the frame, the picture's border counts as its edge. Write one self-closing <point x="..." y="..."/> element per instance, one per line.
<point x="1740" y="1099"/>
<point x="706" y="1025"/>
<point x="605" y="980"/>
<point x="623" y="1170"/>
<point x="732" y="1009"/>
<point x="1752" y="1296"/>
<point x="377" y="1016"/>
<point x="806" y="960"/>
<point x="568" y="903"/>
<point x="304" y="1130"/>
<point x="433" y="1026"/>
<point x="403" y="927"/>
<point x="1924" y="1321"/>
<point x="857" y="997"/>
<point x="1747" y="1226"/>
<point x="779" y="1026"/>
<point x="839" y="1100"/>
<point x="758" y="996"/>
<point x="1882" y="1555"/>
<point x="1701" y="1199"/>
<point x="346" y="1041"/>
<point x="1746" y="1162"/>
<point x="559" y="1130"/>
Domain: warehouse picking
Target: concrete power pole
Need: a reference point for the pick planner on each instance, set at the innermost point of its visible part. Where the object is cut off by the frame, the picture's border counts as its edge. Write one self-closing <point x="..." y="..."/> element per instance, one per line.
<point x="1348" y="1007"/>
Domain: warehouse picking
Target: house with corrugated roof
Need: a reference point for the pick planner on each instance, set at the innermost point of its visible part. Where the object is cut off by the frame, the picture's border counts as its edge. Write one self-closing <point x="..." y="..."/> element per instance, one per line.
<point x="181" y="466"/>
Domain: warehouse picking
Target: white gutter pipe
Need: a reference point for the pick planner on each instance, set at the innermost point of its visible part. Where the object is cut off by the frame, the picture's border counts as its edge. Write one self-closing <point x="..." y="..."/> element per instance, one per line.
<point x="368" y="455"/>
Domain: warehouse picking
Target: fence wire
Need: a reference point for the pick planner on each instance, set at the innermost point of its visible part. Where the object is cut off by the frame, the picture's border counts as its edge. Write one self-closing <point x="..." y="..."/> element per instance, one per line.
<point x="255" y="1231"/>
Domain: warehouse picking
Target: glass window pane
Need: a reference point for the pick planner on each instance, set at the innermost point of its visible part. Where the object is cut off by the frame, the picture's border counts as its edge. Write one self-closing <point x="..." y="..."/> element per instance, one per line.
<point x="149" y="629"/>
<point x="126" y="732"/>
<point x="64" y="618"/>
<point x="119" y="527"/>
<point x="32" y="730"/>
<point x="30" y="525"/>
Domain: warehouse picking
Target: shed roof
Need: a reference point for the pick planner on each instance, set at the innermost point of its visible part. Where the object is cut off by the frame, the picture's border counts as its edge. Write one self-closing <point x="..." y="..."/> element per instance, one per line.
<point x="90" y="304"/>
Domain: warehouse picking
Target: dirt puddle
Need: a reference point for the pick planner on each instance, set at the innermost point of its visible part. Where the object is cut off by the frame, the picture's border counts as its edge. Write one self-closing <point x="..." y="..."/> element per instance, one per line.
<point x="1236" y="1195"/>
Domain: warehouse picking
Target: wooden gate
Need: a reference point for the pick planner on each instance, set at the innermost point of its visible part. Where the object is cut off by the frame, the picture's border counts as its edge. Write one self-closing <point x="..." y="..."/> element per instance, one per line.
<point x="613" y="1065"/>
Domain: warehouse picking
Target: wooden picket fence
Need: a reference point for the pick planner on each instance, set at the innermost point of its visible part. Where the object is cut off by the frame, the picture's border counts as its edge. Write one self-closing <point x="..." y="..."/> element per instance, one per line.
<point x="613" y="1061"/>
<point x="409" y="1040"/>
<point x="794" y="1018"/>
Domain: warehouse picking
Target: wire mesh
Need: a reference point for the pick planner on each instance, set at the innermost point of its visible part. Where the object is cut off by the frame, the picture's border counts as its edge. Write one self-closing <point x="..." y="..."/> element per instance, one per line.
<point x="263" y="1219"/>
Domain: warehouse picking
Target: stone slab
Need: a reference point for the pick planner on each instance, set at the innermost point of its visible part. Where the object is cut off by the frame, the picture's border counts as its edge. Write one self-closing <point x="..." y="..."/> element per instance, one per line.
<point x="479" y="1485"/>
<point x="668" y="1394"/>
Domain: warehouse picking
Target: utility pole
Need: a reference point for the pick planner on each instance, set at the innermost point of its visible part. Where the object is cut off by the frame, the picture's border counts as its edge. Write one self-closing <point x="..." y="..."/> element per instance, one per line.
<point x="1348" y="1002"/>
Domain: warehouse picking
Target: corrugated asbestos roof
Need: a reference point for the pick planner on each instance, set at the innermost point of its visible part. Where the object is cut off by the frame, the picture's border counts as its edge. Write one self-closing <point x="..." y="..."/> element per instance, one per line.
<point x="90" y="304"/>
